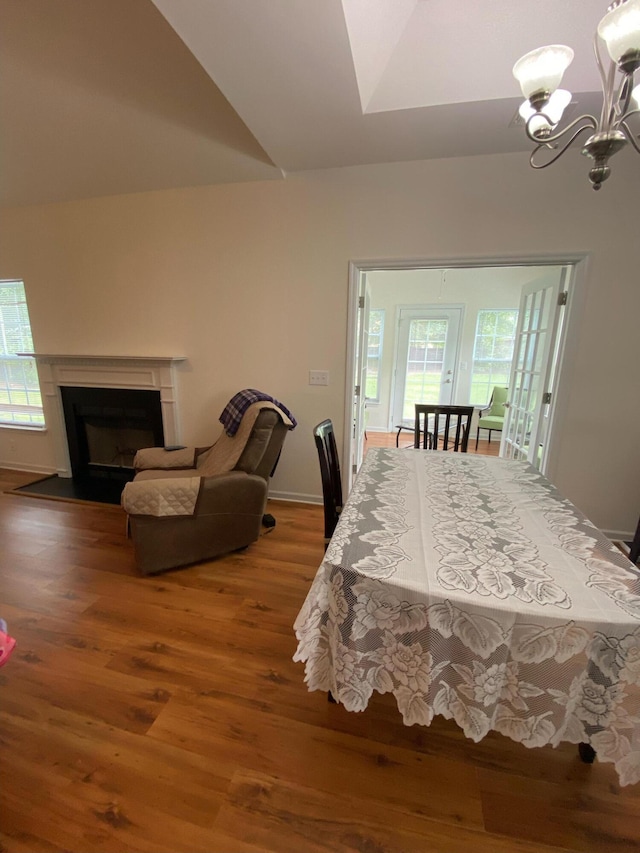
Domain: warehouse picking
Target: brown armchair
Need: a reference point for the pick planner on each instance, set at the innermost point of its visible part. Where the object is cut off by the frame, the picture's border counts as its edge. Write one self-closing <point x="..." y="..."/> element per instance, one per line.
<point x="192" y="504"/>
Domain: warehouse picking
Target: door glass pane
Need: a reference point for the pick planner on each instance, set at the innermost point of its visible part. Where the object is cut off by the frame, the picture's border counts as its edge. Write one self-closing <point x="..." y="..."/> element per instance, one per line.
<point x="516" y="394"/>
<point x="531" y="344"/>
<point x="528" y="304"/>
<point x="374" y="353"/>
<point x="544" y="325"/>
<point x="427" y="339"/>
<point x="522" y="348"/>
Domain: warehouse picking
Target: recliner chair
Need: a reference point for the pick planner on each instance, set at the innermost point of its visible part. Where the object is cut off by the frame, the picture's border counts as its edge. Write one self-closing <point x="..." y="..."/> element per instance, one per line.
<point x="192" y="504"/>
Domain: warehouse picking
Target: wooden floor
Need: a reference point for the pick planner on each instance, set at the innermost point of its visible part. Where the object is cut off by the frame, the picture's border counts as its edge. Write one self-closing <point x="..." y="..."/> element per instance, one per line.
<point x="405" y="439"/>
<point x="166" y="714"/>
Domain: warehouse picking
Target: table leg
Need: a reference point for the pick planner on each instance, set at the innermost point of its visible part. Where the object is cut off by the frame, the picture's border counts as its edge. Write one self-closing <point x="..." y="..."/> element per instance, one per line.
<point x="586" y="752"/>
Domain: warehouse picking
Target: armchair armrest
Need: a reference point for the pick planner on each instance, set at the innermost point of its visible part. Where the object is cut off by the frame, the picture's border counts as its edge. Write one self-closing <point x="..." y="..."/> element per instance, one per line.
<point x="234" y="492"/>
<point x="161" y="497"/>
<point x="224" y="494"/>
<point x="158" y="457"/>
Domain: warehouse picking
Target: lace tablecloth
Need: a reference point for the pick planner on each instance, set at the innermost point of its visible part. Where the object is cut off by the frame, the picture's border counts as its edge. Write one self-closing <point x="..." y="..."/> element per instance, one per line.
<point x="467" y="586"/>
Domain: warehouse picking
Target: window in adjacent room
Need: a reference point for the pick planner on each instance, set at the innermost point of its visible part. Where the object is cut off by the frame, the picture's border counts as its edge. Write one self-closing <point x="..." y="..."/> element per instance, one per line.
<point x="492" y="352"/>
<point x="20" y="399"/>
<point x="374" y="354"/>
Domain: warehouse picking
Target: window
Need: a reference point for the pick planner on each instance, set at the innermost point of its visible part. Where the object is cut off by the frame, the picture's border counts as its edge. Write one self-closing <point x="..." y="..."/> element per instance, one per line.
<point x="492" y="352"/>
<point x="20" y="400"/>
<point x="374" y="354"/>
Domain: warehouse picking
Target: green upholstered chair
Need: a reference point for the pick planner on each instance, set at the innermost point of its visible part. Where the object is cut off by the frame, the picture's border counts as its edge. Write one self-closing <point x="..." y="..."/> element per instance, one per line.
<point x="492" y="417"/>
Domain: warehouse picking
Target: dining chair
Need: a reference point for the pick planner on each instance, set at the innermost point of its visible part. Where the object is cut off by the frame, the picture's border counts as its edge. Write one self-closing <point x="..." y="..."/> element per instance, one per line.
<point x="634" y="550"/>
<point x="330" y="473"/>
<point x="492" y="416"/>
<point x="456" y="418"/>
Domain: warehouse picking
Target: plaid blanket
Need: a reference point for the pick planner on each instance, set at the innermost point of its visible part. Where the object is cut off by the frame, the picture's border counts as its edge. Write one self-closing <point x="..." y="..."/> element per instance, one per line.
<point x="240" y="402"/>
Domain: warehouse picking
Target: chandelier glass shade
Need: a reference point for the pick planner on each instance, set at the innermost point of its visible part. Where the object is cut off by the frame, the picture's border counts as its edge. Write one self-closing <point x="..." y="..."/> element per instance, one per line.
<point x="540" y="73"/>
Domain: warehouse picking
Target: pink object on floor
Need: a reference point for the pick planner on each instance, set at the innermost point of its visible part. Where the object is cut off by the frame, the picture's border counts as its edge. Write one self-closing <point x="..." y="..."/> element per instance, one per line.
<point x="7" y="644"/>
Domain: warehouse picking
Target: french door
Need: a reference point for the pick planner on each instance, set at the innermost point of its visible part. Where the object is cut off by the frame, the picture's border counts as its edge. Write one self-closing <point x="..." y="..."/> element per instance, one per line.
<point x="360" y="389"/>
<point x="527" y="409"/>
<point x="427" y="357"/>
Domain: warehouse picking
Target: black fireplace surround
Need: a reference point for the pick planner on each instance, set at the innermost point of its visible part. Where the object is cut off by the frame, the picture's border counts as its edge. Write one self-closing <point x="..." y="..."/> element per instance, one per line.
<point x="105" y="427"/>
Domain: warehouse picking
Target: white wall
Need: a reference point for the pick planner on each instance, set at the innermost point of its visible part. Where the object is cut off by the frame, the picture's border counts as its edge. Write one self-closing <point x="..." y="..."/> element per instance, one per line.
<point x="250" y="282"/>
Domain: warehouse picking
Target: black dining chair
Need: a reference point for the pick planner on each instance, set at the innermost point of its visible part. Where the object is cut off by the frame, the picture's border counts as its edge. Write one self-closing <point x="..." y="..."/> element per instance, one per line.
<point x="634" y="548"/>
<point x="330" y="472"/>
<point x="331" y="484"/>
<point x="451" y="425"/>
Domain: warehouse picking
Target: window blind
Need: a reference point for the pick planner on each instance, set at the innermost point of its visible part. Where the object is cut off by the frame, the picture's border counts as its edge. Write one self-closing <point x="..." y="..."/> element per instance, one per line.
<point x="20" y="398"/>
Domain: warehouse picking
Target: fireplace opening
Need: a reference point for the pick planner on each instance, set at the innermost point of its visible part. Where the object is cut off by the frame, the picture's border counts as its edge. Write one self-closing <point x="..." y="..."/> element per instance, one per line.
<point x="106" y="427"/>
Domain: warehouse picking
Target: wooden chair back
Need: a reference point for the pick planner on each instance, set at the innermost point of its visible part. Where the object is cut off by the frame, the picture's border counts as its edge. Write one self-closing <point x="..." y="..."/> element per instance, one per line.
<point x="330" y="472"/>
<point x="451" y="425"/>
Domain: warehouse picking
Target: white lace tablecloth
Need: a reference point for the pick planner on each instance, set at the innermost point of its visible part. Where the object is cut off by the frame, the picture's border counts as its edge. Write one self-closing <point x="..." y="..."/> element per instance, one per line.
<point x="467" y="586"/>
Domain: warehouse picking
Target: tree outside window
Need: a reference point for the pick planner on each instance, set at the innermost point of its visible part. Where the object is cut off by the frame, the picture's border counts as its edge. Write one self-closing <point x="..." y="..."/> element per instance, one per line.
<point x="374" y="354"/>
<point x="492" y="352"/>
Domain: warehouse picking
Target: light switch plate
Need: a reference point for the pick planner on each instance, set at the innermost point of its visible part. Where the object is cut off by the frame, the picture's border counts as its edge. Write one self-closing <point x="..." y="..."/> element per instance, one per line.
<point x="318" y="377"/>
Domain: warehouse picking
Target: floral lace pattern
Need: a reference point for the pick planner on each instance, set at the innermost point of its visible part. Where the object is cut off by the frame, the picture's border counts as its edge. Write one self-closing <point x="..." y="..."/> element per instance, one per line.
<point x="480" y="537"/>
<point x="538" y="640"/>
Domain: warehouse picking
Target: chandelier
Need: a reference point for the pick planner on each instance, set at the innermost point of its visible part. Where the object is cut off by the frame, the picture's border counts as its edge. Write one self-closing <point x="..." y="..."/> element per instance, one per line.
<point x="540" y="74"/>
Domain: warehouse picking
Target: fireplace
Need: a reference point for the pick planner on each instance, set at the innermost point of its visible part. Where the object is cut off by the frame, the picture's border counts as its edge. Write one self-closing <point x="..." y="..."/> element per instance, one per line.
<point x="109" y="445"/>
<point x="125" y="372"/>
<point x="106" y="426"/>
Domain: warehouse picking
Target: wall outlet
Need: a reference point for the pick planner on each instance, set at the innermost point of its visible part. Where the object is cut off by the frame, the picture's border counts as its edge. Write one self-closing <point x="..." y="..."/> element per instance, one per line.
<point x="318" y="377"/>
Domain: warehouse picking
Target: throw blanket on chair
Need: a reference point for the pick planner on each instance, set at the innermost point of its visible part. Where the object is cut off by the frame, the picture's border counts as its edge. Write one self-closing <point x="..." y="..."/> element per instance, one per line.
<point x="231" y="416"/>
<point x="227" y="450"/>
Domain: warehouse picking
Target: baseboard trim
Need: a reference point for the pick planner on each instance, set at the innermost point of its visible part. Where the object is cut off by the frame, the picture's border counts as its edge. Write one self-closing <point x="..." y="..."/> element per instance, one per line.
<point x="29" y="469"/>
<point x="619" y="535"/>
<point x="295" y="497"/>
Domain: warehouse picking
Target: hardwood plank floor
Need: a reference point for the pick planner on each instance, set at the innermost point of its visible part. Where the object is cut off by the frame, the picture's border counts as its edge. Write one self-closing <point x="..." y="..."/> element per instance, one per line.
<point x="166" y="714"/>
<point x="405" y="439"/>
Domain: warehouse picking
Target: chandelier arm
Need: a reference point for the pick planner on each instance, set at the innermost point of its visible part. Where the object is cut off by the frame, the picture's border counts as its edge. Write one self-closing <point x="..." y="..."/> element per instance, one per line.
<point x="561" y="151"/>
<point x="607" y="85"/>
<point x="592" y="123"/>
<point x="634" y="112"/>
<point x="629" y="133"/>
<point x="624" y="96"/>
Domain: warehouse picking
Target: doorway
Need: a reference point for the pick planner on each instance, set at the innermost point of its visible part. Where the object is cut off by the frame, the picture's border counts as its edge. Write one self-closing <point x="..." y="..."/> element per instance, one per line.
<point x="440" y="287"/>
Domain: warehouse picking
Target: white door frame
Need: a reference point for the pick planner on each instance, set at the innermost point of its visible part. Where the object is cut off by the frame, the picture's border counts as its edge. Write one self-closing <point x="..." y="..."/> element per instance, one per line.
<point x="567" y="352"/>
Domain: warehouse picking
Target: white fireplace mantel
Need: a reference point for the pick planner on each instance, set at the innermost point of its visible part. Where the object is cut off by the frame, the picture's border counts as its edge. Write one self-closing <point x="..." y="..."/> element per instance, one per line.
<point x="144" y="373"/>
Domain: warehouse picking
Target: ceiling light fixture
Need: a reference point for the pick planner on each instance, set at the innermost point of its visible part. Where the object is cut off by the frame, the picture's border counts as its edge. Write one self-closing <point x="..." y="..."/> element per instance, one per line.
<point x="540" y="74"/>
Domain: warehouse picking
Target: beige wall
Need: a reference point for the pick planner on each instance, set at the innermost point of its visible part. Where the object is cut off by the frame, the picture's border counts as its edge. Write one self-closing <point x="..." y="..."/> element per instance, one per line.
<point x="250" y="282"/>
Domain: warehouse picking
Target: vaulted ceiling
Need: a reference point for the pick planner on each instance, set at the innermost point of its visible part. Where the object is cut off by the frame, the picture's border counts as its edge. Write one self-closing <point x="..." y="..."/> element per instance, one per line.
<point x="101" y="97"/>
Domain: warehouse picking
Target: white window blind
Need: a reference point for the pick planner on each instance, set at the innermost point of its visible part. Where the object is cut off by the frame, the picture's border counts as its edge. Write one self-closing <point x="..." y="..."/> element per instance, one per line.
<point x="20" y="399"/>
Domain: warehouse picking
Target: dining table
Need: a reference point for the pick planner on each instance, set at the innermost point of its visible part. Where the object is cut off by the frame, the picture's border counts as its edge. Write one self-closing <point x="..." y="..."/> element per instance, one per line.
<point x="469" y="587"/>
